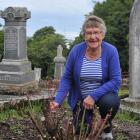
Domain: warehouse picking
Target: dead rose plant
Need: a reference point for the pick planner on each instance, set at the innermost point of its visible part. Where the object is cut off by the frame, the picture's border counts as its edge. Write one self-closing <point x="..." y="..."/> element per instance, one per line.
<point x="57" y="125"/>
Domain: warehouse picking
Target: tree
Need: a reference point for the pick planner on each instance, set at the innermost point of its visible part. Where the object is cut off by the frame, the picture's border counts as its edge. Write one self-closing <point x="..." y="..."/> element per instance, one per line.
<point x="42" y="48"/>
<point x="116" y="15"/>
<point x="77" y="40"/>
<point x="43" y="32"/>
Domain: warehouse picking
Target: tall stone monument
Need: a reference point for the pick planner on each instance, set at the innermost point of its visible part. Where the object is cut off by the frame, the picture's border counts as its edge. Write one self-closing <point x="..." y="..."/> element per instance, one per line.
<point x="16" y="75"/>
<point x="59" y="63"/>
<point x="133" y="102"/>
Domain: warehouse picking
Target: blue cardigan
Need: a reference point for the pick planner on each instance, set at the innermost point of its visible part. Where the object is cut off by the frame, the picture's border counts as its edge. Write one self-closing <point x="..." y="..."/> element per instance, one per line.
<point x="70" y="81"/>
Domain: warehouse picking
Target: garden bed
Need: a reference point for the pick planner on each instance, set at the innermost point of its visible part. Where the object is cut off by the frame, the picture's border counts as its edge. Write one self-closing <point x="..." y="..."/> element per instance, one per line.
<point x="25" y="130"/>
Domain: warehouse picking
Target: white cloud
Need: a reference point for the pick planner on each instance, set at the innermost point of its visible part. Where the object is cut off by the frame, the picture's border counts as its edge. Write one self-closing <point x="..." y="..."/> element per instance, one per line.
<point x="68" y="34"/>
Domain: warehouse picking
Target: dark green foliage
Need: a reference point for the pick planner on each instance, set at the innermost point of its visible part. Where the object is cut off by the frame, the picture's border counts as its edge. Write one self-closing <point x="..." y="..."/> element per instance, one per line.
<point x="77" y="40"/>
<point x="43" y="32"/>
<point x="116" y="15"/>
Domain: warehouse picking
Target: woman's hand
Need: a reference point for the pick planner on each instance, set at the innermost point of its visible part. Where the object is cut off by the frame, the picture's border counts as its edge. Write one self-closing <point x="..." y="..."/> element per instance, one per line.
<point x="54" y="105"/>
<point x="88" y="102"/>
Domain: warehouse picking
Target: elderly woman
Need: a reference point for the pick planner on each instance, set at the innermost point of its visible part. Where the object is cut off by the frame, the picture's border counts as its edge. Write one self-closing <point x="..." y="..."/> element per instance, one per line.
<point x="92" y="76"/>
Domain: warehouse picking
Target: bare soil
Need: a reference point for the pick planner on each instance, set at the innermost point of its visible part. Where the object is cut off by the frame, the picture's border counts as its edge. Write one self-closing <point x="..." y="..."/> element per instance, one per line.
<point x="25" y="130"/>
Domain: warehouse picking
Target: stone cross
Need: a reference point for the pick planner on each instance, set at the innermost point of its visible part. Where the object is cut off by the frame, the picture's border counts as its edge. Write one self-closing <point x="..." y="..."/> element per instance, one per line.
<point x="59" y="63"/>
<point x="15" y="69"/>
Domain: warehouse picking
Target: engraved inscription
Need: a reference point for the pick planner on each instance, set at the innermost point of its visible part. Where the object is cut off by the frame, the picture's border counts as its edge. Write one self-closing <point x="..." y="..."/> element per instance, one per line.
<point x="9" y="78"/>
<point x="11" y="38"/>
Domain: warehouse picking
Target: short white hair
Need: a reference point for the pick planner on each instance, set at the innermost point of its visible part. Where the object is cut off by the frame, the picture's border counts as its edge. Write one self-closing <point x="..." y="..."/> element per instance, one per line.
<point x="94" y="21"/>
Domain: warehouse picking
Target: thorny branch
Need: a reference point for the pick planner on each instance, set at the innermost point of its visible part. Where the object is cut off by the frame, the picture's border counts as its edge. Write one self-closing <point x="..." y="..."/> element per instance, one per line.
<point x="57" y="124"/>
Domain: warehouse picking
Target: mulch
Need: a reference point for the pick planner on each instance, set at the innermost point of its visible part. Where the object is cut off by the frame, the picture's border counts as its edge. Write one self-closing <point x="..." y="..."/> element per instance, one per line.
<point x="25" y="130"/>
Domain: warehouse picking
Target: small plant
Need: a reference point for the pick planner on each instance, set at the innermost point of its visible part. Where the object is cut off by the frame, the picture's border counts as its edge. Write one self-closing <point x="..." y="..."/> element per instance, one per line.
<point x="123" y="93"/>
<point x="127" y="116"/>
<point x="121" y="137"/>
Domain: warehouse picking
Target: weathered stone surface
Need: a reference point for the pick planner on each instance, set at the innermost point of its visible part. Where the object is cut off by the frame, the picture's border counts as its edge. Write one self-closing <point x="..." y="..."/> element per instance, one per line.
<point x="15" y="44"/>
<point x="19" y="89"/>
<point x="12" y="100"/>
<point x="131" y="105"/>
<point x="37" y="74"/>
<point x="15" y="66"/>
<point x="134" y="51"/>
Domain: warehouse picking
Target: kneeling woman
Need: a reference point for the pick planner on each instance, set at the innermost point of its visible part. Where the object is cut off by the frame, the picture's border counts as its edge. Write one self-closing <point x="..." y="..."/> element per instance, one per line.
<point x="92" y="76"/>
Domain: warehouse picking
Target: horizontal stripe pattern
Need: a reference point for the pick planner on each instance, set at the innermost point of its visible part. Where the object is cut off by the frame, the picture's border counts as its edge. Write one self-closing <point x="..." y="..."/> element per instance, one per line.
<point x="90" y="76"/>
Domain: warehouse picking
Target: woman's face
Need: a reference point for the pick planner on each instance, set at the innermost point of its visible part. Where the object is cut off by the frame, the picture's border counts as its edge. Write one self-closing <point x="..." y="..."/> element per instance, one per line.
<point x="93" y="37"/>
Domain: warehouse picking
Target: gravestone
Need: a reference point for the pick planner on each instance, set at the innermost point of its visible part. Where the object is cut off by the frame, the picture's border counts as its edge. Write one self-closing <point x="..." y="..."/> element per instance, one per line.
<point x="16" y="75"/>
<point x="37" y="74"/>
<point x="133" y="101"/>
<point x="59" y="63"/>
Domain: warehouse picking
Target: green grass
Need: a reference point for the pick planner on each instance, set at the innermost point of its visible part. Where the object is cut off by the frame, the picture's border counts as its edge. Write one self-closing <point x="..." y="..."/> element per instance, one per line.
<point x="9" y="113"/>
<point x="17" y="128"/>
<point x="121" y="137"/>
<point x="127" y="116"/>
<point x="123" y="92"/>
<point x="20" y="112"/>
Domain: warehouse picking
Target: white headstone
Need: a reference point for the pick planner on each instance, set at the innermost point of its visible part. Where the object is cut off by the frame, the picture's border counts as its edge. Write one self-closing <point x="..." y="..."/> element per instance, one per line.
<point x="37" y="74"/>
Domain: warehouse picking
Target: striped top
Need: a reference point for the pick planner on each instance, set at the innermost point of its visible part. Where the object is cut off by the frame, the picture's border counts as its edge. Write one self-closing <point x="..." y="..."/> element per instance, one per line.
<point x="91" y="75"/>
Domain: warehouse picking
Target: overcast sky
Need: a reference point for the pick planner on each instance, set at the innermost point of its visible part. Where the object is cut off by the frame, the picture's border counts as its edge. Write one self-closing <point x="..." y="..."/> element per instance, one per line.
<point x="66" y="16"/>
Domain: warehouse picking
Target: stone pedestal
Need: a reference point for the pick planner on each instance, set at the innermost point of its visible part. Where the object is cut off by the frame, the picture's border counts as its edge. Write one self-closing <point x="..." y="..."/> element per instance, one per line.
<point x="59" y="63"/>
<point x="16" y="75"/>
<point x="133" y="101"/>
<point x="131" y="105"/>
